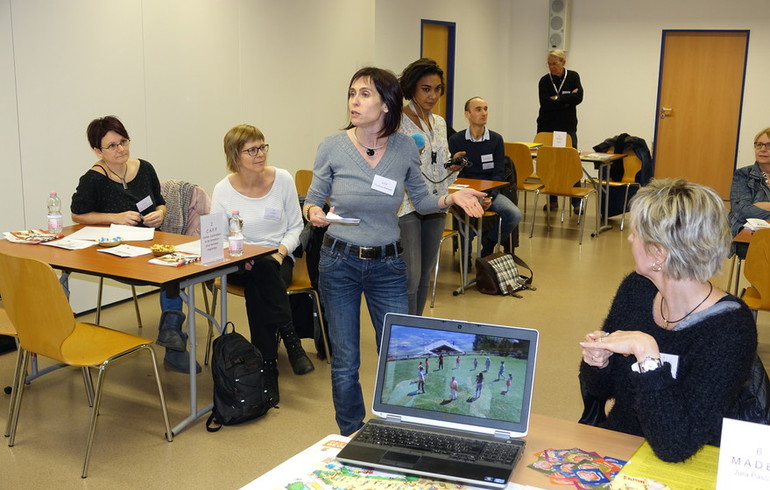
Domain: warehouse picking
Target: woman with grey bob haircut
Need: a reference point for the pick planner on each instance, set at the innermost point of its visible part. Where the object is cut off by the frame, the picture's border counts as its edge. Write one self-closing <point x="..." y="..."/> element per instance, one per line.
<point x="685" y="346"/>
<point x="688" y="220"/>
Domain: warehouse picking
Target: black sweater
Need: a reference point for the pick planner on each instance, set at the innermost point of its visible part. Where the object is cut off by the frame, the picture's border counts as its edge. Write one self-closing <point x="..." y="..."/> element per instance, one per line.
<point x="676" y="416"/>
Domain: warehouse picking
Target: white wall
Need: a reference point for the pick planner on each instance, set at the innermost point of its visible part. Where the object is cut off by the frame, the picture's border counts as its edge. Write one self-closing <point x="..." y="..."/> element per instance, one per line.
<point x="181" y="73"/>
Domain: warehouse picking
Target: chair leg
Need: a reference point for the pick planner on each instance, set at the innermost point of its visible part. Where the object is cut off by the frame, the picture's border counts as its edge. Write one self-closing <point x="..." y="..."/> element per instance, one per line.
<point x="93" y="418"/>
<point x="534" y="214"/>
<point x="317" y="300"/>
<point x="583" y="223"/>
<point x="15" y="388"/>
<point x="435" y="275"/>
<point x="89" y="383"/>
<point x="136" y="307"/>
<point x="164" y="409"/>
<point x="19" y="392"/>
<point x="625" y="203"/>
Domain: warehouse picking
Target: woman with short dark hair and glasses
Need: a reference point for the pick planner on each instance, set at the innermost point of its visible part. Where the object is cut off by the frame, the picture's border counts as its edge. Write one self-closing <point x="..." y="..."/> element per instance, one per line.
<point x="120" y="190"/>
<point x="750" y="192"/>
<point x="364" y="172"/>
<point x="266" y="199"/>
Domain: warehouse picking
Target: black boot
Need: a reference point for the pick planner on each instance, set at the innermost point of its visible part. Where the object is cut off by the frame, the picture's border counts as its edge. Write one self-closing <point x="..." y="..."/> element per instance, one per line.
<point x="170" y="333"/>
<point x="270" y="377"/>
<point x="300" y="362"/>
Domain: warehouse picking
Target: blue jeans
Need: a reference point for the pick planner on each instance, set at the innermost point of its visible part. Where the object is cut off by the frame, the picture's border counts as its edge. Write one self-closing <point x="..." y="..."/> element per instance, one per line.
<point x="342" y="279"/>
<point x="167" y="303"/>
<point x="509" y="214"/>
<point x="420" y="238"/>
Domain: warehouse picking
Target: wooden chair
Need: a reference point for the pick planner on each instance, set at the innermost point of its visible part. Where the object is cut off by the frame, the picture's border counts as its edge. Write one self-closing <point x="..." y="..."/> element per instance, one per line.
<point x="757" y="272"/>
<point x="521" y="157"/>
<point x="631" y="166"/>
<point x="302" y="180"/>
<point x="546" y="138"/>
<point x="560" y="168"/>
<point x="454" y="235"/>
<point x="53" y="332"/>
<point x="7" y="328"/>
<point x="300" y="284"/>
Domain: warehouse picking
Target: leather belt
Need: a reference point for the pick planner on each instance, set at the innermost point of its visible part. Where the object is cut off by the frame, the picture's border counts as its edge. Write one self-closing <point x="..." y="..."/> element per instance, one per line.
<point x="365" y="253"/>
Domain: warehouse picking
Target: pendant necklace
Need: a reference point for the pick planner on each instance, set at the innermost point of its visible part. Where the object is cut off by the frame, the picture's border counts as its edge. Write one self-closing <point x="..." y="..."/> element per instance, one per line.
<point x="666" y="322"/>
<point x="122" y="179"/>
<point x="558" y="90"/>
<point x="369" y="149"/>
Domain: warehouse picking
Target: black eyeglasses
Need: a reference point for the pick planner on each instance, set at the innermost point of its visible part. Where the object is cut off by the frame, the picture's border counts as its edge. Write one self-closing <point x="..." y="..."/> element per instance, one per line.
<point x="255" y="149"/>
<point x="114" y="146"/>
<point x="762" y="146"/>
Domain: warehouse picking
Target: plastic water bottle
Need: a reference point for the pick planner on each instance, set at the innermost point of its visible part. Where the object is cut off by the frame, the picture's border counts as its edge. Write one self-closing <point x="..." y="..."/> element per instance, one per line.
<point x="54" y="213"/>
<point x="235" y="239"/>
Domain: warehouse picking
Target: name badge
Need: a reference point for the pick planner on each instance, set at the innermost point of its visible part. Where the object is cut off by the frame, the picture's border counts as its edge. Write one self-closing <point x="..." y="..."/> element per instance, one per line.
<point x="384" y="185"/>
<point x="144" y="204"/>
<point x="672" y="359"/>
<point x="487" y="161"/>
<point x="272" y="214"/>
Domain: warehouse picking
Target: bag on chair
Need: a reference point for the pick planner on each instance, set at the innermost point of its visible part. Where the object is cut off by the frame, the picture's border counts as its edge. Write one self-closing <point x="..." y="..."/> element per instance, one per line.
<point x="498" y="273"/>
<point x="239" y="392"/>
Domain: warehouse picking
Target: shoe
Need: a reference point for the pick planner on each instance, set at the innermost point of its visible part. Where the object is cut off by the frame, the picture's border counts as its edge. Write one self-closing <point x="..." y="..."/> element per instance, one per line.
<point x="487" y="248"/>
<point x="270" y="377"/>
<point x="170" y="333"/>
<point x="554" y="206"/>
<point x="179" y="361"/>
<point x="300" y="362"/>
<point x="576" y="210"/>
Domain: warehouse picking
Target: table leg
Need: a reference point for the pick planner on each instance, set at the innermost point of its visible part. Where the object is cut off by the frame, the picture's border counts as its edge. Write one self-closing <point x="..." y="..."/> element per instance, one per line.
<point x="603" y="189"/>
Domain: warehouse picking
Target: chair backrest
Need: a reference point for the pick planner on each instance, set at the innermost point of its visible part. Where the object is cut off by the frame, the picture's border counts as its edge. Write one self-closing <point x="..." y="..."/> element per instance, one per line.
<point x="546" y="139"/>
<point x="302" y="180"/>
<point x="6" y="327"/>
<point x="36" y="304"/>
<point x="521" y="157"/>
<point x="757" y="268"/>
<point x="631" y="165"/>
<point x="185" y="204"/>
<point x="559" y="169"/>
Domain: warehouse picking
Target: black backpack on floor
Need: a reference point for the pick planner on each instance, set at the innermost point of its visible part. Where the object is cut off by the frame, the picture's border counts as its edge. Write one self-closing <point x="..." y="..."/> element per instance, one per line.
<point x="239" y="392"/>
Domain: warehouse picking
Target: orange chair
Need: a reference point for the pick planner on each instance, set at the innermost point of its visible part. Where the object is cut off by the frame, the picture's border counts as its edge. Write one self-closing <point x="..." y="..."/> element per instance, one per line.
<point x="757" y="272"/>
<point x="559" y="169"/>
<point x="521" y="157"/>
<point x="546" y="139"/>
<point x="53" y="332"/>
<point x="631" y="166"/>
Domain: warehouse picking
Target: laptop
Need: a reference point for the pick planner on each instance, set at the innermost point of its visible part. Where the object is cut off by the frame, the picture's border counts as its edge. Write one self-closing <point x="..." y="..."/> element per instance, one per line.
<point x="462" y="391"/>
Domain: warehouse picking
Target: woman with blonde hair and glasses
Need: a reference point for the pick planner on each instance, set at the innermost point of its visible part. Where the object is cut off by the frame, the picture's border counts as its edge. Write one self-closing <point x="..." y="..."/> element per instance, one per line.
<point x="266" y="199"/>
<point x="674" y="350"/>
<point x="750" y="192"/>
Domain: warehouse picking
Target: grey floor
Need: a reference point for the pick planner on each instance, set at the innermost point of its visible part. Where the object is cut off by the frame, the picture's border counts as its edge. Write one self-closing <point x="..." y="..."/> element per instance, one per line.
<point x="575" y="286"/>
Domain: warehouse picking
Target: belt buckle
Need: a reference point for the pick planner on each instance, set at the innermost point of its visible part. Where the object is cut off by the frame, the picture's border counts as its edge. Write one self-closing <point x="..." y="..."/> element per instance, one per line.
<point x="366" y="253"/>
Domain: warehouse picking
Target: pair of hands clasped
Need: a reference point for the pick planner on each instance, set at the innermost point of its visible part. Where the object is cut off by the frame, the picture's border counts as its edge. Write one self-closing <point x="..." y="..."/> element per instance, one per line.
<point x="599" y="346"/>
<point x="133" y="218"/>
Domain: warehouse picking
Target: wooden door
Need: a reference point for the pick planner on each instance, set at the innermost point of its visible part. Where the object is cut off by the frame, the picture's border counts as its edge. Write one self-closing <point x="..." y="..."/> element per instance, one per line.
<point x="438" y="44"/>
<point x="700" y="94"/>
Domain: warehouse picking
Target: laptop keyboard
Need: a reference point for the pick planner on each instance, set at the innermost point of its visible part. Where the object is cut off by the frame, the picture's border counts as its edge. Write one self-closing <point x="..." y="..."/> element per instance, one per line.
<point x="456" y="448"/>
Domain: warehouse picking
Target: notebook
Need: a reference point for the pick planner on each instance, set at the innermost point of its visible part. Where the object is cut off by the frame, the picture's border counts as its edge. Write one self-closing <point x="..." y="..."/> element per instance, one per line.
<point x="465" y="387"/>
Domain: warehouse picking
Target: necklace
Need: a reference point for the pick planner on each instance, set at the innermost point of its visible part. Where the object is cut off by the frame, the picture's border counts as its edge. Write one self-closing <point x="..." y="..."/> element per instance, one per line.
<point x="558" y="90"/>
<point x="369" y="149"/>
<point x="122" y="179"/>
<point x="667" y="322"/>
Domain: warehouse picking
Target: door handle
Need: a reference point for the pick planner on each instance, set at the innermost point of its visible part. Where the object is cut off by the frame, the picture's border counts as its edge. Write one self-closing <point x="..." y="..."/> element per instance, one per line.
<point x="665" y="111"/>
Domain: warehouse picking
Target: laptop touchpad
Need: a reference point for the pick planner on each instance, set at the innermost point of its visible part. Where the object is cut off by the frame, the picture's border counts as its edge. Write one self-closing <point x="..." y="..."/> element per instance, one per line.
<point x="400" y="459"/>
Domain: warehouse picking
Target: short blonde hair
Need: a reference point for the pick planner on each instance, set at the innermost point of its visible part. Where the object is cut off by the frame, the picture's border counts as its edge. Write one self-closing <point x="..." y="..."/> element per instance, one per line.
<point x="689" y="221"/>
<point x="235" y="139"/>
<point x="765" y="131"/>
<point x="558" y="54"/>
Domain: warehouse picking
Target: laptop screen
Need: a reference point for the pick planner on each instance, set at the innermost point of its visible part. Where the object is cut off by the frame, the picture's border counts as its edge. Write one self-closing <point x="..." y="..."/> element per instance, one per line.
<point x="457" y="374"/>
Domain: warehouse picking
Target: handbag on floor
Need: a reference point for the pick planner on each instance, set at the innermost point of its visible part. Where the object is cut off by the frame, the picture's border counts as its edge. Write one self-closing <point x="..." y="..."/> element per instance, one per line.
<point x="239" y="392"/>
<point x="498" y="273"/>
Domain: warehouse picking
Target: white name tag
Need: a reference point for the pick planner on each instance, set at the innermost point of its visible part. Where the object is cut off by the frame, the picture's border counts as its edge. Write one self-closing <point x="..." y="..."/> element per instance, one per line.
<point x="272" y="214"/>
<point x="744" y="456"/>
<point x="487" y="161"/>
<point x="672" y="359"/>
<point x="144" y="204"/>
<point x="384" y="185"/>
<point x="559" y="139"/>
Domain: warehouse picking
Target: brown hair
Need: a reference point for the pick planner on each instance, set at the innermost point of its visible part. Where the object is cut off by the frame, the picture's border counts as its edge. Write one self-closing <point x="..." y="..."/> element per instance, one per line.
<point x="234" y="141"/>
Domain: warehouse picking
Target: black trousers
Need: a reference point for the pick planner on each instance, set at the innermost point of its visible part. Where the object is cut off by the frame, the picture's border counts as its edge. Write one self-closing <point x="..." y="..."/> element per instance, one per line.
<point x="267" y="304"/>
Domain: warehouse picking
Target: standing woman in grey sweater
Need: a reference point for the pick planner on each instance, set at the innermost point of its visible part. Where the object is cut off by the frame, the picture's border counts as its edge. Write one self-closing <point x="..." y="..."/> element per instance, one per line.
<point x="364" y="172"/>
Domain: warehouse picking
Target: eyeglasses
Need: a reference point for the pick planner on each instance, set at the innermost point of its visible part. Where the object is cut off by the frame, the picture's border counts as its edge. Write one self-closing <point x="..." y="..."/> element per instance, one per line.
<point x="255" y="149"/>
<point x="114" y="146"/>
<point x="762" y="146"/>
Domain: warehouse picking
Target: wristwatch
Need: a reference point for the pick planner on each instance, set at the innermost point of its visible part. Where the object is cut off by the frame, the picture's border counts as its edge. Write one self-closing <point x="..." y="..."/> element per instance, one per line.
<point x="648" y="364"/>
